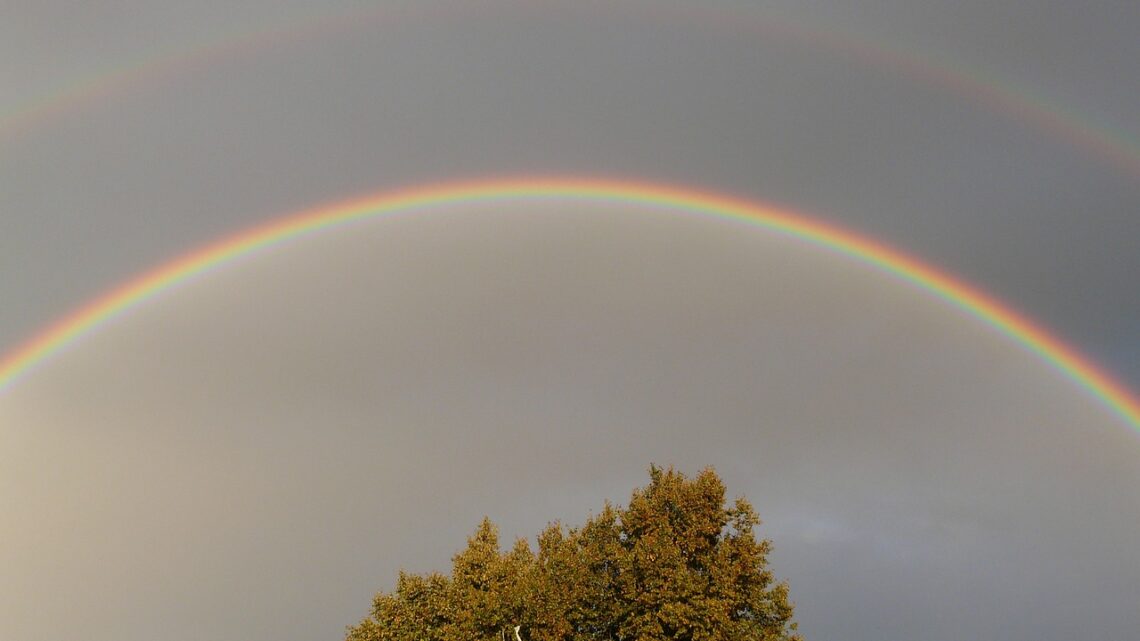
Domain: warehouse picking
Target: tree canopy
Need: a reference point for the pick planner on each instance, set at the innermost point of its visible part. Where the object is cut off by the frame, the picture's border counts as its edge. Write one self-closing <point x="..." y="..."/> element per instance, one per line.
<point x="678" y="563"/>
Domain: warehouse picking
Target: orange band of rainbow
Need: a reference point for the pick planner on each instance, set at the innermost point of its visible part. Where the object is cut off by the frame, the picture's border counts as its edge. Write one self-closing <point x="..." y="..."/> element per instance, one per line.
<point x="1064" y="358"/>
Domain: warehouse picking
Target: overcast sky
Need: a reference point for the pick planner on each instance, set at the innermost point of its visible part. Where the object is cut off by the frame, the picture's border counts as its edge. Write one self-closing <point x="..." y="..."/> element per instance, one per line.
<point x="252" y="455"/>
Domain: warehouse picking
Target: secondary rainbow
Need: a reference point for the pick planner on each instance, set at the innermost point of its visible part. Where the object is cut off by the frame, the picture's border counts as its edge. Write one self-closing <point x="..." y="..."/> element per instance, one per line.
<point x="1113" y="144"/>
<point x="521" y="190"/>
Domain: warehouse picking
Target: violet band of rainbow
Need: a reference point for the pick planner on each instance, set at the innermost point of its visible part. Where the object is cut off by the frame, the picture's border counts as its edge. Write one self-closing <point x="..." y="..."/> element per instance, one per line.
<point x="1051" y="350"/>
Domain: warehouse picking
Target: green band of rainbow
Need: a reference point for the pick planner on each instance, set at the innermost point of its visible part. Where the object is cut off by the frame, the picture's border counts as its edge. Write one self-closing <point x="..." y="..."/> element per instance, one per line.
<point x="1064" y="358"/>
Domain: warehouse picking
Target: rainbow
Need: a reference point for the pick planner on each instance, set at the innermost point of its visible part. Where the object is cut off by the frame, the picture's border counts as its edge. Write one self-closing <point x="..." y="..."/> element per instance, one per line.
<point x="1112" y="144"/>
<point x="1038" y="341"/>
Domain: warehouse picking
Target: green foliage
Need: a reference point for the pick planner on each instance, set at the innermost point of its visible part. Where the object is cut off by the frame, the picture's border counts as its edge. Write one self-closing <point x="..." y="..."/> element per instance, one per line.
<point x="677" y="564"/>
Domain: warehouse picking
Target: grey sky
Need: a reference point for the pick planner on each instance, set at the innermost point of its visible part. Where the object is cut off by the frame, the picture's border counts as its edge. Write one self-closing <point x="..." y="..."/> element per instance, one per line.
<point x="252" y="455"/>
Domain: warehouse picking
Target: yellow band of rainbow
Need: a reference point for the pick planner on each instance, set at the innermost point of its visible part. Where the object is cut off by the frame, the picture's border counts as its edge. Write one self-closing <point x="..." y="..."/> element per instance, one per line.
<point x="1038" y="341"/>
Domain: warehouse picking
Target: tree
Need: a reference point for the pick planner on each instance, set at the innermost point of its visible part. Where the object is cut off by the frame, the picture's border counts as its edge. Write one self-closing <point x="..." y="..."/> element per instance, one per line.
<point x="678" y="564"/>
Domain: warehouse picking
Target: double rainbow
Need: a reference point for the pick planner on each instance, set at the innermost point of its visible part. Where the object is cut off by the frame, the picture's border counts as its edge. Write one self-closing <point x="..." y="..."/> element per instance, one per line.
<point x="522" y="190"/>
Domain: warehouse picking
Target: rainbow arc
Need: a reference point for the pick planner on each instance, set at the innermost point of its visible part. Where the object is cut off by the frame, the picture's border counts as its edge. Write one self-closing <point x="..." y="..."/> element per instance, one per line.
<point x="1034" y="338"/>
